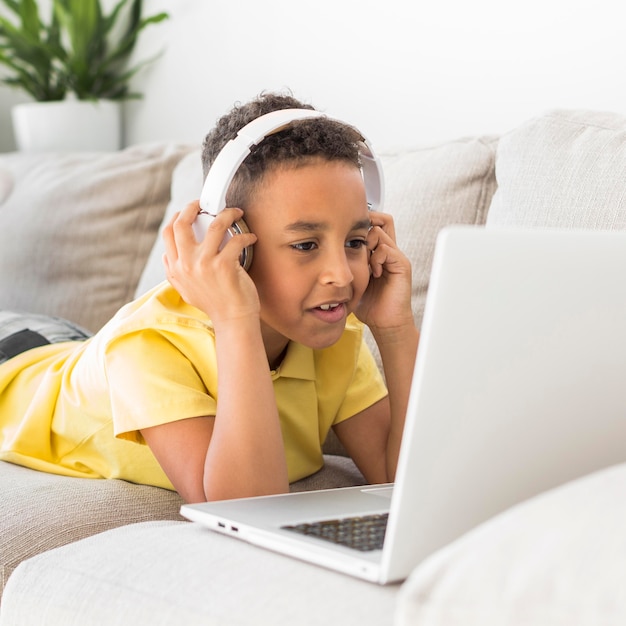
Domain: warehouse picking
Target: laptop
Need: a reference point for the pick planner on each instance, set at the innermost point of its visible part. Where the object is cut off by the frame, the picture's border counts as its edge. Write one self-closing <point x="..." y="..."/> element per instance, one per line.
<point x="519" y="386"/>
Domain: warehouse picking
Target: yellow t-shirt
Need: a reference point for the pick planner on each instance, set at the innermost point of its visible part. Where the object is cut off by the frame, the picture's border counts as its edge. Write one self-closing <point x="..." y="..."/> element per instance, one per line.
<point x="77" y="408"/>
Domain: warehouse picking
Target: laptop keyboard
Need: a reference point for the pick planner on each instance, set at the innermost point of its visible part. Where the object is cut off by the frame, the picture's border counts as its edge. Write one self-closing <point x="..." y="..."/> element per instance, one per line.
<point x="364" y="533"/>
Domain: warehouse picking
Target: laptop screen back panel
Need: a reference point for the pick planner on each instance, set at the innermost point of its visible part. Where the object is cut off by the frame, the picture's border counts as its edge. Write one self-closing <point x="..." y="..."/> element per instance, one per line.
<point x="520" y="380"/>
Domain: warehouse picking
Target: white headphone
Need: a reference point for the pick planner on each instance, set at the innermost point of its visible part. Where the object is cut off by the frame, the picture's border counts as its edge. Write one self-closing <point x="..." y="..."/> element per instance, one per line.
<point x="233" y="154"/>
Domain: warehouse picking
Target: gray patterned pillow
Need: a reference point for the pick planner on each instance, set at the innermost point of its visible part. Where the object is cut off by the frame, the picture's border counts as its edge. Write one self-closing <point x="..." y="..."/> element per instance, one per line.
<point x="76" y="228"/>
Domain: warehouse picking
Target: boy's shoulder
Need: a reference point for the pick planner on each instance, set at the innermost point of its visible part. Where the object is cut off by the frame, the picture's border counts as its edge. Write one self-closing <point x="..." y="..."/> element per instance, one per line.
<point x="160" y="308"/>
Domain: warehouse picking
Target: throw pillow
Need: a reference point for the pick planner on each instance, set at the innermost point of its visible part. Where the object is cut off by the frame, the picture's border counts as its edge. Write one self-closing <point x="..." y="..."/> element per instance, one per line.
<point x="564" y="169"/>
<point x="76" y="228"/>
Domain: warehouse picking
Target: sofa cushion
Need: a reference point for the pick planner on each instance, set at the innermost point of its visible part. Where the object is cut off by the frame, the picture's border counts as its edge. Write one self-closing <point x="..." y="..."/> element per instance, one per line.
<point x="564" y="169"/>
<point x="339" y="471"/>
<point x="76" y="228"/>
<point x="558" y="558"/>
<point x="166" y="573"/>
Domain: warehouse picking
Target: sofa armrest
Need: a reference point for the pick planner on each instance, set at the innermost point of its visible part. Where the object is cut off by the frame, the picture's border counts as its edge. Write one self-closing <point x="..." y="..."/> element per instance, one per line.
<point x="163" y="573"/>
<point x="42" y="511"/>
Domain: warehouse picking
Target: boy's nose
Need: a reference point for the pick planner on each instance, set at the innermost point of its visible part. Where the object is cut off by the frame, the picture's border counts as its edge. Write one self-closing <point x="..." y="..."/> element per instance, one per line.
<point x="336" y="270"/>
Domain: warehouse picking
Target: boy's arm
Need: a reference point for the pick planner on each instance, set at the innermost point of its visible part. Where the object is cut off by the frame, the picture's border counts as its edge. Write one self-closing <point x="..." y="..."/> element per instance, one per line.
<point x="246" y="455"/>
<point x="240" y="451"/>
<point x="373" y="436"/>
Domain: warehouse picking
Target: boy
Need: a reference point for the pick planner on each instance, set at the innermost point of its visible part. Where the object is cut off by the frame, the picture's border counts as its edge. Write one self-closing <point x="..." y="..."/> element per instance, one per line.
<point x="289" y="351"/>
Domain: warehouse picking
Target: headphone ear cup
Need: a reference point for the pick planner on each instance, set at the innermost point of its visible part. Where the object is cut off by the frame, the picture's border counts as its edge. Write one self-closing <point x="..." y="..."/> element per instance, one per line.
<point x="239" y="228"/>
<point x="201" y="225"/>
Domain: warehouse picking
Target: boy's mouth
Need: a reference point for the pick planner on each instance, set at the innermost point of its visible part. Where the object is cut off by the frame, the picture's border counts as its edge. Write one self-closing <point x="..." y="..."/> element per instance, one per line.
<point x="331" y="312"/>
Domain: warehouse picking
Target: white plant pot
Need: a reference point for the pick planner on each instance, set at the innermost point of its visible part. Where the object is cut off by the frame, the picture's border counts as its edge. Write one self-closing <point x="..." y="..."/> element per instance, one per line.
<point x="68" y="125"/>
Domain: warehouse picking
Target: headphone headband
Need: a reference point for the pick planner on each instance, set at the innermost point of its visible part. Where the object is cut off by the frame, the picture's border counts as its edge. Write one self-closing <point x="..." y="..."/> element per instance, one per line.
<point x="233" y="154"/>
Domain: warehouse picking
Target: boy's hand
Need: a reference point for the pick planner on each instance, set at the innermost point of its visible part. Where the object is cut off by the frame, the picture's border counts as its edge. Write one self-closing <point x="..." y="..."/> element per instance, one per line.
<point x="206" y="277"/>
<point x="386" y="303"/>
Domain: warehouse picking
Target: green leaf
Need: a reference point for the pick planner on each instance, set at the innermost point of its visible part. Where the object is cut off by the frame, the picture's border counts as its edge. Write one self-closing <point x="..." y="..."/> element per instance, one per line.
<point x="79" y="50"/>
<point x="30" y="18"/>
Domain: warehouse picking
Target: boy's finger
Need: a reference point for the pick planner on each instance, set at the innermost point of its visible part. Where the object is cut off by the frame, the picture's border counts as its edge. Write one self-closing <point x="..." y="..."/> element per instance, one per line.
<point x="215" y="228"/>
<point x="377" y="236"/>
<point x="387" y="257"/>
<point x="236" y="245"/>
<point x="182" y="222"/>
<point x="186" y="215"/>
<point x="384" y="221"/>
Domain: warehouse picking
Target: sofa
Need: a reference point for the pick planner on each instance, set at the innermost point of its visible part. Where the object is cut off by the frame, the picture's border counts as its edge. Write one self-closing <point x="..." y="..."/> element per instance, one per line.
<point x="79" y="237"/>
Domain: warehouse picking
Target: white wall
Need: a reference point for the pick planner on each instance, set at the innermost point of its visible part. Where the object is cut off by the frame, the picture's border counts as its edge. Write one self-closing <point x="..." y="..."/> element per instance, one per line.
<point x="406" y="72"/>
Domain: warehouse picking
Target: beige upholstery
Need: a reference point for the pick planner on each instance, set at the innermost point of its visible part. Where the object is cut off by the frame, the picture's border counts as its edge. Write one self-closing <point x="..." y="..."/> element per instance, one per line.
<point x="564" y="169"/>
<point x="169" y="573"/>
<point x="556" y="560"/>
<point x="76" y="228"/>
<point x="42" y="511"/>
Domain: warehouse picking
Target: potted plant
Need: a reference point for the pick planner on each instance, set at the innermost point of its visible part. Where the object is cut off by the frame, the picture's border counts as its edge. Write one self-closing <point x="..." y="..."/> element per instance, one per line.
<point x="74" y="66"/>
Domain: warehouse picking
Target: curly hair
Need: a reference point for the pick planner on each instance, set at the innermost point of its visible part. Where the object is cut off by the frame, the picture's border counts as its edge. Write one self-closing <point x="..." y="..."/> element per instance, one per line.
<point x="297" y="145"/>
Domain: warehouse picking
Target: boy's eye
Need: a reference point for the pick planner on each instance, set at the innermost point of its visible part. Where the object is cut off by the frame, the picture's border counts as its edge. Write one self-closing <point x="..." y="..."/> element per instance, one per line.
<point x="355" y="244"/>
<point x="305" y="246"/>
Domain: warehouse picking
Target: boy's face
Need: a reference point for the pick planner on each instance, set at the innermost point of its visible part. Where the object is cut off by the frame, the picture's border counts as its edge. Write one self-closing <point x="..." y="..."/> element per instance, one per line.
<point x="310" y="262"/>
